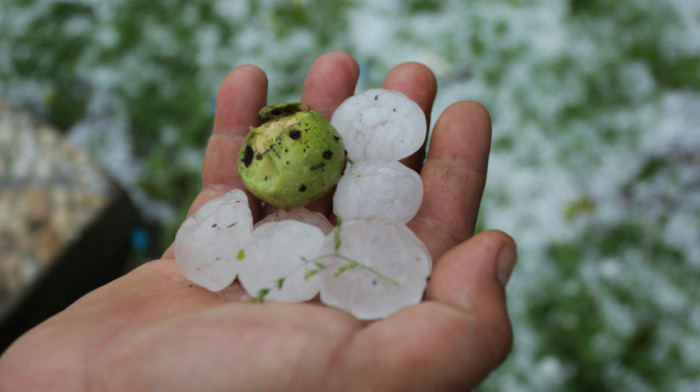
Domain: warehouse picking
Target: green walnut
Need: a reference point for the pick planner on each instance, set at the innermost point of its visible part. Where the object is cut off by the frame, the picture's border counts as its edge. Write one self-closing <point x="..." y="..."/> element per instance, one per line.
<point x="293" y="158"/>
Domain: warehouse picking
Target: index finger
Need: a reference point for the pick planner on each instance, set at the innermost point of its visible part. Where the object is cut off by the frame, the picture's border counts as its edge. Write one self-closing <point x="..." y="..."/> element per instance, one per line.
<point x="242" y="94"/>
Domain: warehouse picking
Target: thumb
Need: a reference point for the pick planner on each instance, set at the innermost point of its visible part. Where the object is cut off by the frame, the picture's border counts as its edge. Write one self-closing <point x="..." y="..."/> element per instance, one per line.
<point x="471" y="278"/>
<point x="453" y="339"/>
<point x="475" y="270"/>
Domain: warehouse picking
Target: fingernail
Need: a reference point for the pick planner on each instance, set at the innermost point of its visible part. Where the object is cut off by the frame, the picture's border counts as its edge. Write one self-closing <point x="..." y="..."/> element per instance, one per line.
<point x="505" y="263"/>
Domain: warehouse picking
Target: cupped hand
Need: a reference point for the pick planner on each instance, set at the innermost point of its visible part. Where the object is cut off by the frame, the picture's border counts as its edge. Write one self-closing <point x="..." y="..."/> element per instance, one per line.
<point x="153" y="330"/>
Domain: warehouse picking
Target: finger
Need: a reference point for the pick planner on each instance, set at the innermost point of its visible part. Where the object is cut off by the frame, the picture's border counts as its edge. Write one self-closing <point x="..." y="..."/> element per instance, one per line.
<point x="418" y="83"/>
<point x="454" y="339"/>
<point x="242" y="93"/>
<point x="474" y="273"/>
<point x="331" y="80"/>
<point x="453" y="177"/>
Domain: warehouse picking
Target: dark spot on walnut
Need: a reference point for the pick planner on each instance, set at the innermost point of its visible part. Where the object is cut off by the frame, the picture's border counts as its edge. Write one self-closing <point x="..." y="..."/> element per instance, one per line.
<point x="302" y="188"/>
<point x="295" y="134"/>
<point x="258" y="156"/>
<point x="328" y="154"/>
<point x="247" y="155"/>
<point x="336" y="138"/>
<point x="275" y="111"/>
<point x="318" y="166"/>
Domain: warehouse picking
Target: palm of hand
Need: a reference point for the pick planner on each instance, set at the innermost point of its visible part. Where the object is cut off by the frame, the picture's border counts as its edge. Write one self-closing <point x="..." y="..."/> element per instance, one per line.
<point x="153" y="330"/>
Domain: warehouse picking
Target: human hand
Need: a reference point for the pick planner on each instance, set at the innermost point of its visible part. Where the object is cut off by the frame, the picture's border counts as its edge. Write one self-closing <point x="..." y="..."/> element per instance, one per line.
<point x="154" y="330"/>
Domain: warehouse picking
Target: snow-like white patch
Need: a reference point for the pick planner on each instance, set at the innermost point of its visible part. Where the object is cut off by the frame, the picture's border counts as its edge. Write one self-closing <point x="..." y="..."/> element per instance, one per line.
<point x="105" y="133"/>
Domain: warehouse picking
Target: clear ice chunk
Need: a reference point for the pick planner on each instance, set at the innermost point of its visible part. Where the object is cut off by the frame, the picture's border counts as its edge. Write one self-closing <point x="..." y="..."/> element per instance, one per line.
<point x="300" y="214"/>
<point x="378" y="188"/>
<point x="380" y="124"/>
<point x="207" y="242"/>
<point x="277" y="250"/>
<point x="391" y="270"/>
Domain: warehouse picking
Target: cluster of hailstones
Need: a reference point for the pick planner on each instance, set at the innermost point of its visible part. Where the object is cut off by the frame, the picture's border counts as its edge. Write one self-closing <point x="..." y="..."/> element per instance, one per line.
<point x="370" y="265"/>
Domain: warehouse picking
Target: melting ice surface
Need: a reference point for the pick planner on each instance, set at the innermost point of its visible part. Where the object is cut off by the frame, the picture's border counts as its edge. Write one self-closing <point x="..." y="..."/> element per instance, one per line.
<point x="380" y="124"/>
<point x="208" y="241"/>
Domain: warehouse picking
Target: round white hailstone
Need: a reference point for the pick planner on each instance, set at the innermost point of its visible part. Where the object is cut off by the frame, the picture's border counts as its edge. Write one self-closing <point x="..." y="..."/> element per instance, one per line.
<point x="385" y="246"/>
<point x="378" y="188"/>
<point x="300" y="214"/>
<point x="206" y="244"/>
<point x="277" y="251"/>
<point x="380" y="125"/>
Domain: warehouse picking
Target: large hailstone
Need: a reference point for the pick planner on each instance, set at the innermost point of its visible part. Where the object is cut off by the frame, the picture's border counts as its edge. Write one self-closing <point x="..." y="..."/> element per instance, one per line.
<point x="206" y="244"/>
<point x="380" y="125"/>
<point x="385" y="246"/>
<point x="378" y="188"/>
<point x="300" y="214"/>
<point x="277" y="250"/>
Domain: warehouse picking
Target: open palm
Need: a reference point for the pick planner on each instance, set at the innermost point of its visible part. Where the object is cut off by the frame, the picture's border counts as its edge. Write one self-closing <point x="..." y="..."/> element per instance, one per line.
<point x="153" y="330"/>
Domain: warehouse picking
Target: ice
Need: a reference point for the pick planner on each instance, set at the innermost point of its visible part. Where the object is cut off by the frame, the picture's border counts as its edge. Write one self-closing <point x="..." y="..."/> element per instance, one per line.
<point x="300" y="214"/>
<point x="206" y="244"/>
<point x="380" y="124"/>
<point x="277" y="251"/>
<point x="378" y="188"/>
<point x="389" y="248"/>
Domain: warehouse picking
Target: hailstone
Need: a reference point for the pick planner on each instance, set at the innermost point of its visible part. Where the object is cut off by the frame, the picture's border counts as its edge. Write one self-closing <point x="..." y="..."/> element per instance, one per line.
<point x="378" y="188"/>
<point x="300" y="214"/>
<point x="206" y="244"/>
<point x="380" y="124"/>
<point x="390" y="272"/>
<point x="274" y="260"/>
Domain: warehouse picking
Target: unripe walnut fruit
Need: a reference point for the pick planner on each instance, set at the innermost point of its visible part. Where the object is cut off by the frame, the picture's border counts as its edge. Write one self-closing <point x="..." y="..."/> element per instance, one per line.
<point x="293" y="158"/>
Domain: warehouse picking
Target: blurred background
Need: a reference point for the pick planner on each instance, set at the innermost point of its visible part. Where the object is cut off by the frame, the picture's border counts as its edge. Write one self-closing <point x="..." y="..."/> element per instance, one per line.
<point x="595" y="166"/>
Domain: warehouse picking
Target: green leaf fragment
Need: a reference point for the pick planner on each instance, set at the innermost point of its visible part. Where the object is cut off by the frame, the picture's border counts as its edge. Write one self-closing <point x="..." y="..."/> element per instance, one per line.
<point x="279" y="282"/>
<point x="310" y="273"/>
<point x="241" y="255"/>
<point x="261" y="295"/>
<point x="337" y="235"/>
<point x="351" y="264"/>
<point x="346" y="267"/>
